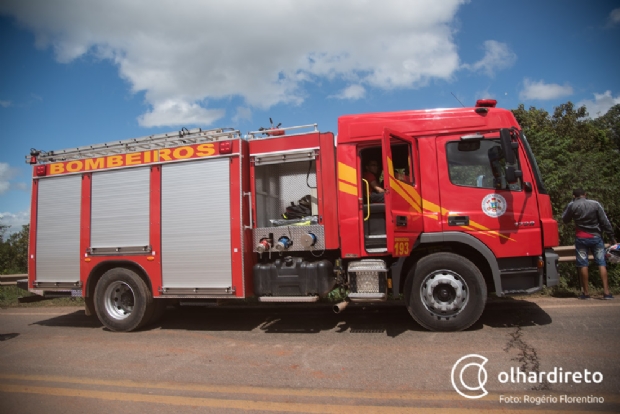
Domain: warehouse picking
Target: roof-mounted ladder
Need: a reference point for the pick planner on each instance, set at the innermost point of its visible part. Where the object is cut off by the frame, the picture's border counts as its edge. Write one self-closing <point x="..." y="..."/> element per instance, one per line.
<point x="166" y="140"/>
<point x="279" y="132"/>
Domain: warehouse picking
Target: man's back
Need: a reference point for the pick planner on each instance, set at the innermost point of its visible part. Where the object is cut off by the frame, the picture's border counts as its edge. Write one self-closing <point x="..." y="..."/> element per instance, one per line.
<point x="588" y="216"/>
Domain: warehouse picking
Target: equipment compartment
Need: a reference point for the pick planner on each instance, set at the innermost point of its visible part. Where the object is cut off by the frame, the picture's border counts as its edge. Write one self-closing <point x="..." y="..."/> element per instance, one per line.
<point x="279" y="185"/>
<point x="293" y="276"/>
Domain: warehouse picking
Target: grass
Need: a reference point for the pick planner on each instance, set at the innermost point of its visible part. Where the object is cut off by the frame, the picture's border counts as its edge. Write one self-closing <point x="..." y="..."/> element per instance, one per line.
<point x="9" y="296"/>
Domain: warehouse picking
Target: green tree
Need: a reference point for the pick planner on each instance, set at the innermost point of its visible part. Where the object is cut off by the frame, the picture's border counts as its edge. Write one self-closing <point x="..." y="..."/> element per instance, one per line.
<point x="5" y="253"/>
<point x="14" y="250"/>
<point x="573" y="151"/>
<point x="610" y="123"/>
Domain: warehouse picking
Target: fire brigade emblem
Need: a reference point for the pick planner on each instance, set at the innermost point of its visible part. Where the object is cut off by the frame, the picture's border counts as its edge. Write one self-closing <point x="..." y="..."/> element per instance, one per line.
<point x="494" y="205"/>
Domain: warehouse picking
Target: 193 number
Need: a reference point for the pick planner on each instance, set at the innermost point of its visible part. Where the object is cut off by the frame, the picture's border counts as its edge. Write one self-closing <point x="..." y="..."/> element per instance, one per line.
<point x="401" y="248"/>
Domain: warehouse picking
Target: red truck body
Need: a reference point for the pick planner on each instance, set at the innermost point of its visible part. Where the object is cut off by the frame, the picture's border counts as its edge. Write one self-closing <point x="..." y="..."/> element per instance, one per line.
<point x="199" y="215"/>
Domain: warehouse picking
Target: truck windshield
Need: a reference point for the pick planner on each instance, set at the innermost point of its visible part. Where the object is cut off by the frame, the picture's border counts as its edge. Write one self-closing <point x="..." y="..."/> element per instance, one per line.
<point x="534" y="164"/>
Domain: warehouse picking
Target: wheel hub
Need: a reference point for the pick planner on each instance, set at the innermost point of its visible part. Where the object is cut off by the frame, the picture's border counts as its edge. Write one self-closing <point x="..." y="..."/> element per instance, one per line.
<point x="119" y="300"/>
<point x="444" y="293"/>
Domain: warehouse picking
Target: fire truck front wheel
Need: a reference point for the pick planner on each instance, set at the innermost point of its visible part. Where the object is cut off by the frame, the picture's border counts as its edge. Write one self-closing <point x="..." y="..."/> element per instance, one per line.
<point x="445" y="292"/>
<point x="123" y="301"/>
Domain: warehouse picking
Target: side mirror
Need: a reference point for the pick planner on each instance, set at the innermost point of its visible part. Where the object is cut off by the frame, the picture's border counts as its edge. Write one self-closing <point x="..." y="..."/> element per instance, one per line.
<point x="506" y="140"/>
<point x="512" y="174"/>
<point x="509" y="147"/>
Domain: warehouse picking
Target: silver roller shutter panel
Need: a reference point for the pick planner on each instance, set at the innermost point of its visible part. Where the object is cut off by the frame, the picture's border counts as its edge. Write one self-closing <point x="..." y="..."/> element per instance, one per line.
<point x="195" y="224"/>
<point x="58" y="229"/>
<point x="120" y="208"/>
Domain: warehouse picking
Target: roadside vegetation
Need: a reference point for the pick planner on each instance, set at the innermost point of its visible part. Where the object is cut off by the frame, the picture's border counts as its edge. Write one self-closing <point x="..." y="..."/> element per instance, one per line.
<point x="14" y="260"/>
<point x="572" y="151"/>
<point x="9" y="297"/>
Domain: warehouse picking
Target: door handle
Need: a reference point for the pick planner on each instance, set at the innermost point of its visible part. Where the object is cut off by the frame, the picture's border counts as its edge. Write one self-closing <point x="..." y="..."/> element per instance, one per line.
<point x="458" y="220"/>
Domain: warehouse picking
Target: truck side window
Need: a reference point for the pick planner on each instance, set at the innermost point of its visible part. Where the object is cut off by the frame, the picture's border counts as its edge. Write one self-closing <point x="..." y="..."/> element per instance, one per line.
<point x="478" y="164"/>
<point x="403" y="164"/>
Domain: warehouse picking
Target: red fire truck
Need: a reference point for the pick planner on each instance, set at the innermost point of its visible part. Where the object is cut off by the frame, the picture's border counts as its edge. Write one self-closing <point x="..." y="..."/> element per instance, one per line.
<point x="289" y="215"/>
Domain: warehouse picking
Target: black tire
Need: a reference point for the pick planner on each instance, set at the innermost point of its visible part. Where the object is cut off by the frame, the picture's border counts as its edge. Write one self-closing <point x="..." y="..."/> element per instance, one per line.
<point x="445" y="292"/>
<point x="123" y="301"/>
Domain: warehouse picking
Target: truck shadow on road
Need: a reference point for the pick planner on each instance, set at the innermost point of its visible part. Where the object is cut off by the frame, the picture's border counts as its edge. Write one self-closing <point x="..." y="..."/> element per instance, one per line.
<point x="6" y="337"/>
<point x="390" y="319"/>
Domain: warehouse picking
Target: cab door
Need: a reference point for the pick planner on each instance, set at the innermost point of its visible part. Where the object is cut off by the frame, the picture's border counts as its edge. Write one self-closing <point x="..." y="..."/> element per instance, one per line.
<point x="479" y="199"/>
<point x="401" y="177"/>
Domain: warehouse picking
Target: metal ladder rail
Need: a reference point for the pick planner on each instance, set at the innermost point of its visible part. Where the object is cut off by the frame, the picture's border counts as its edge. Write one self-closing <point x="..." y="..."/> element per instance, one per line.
<point x="265" y="133"/>
<point x="165" y="140"/>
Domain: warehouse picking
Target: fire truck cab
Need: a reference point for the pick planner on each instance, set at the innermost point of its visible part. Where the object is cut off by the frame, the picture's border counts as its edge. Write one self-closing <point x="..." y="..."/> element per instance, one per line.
<point x="438" y="207"/>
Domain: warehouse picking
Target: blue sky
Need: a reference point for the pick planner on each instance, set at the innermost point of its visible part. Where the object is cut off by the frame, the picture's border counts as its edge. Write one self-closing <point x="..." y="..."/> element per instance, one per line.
<point x="79" y="72"/>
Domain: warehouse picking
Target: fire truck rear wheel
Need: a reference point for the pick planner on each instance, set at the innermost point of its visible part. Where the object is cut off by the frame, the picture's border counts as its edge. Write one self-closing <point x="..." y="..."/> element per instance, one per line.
<point x="123" y="301"/>
<point x="445" y="292"/>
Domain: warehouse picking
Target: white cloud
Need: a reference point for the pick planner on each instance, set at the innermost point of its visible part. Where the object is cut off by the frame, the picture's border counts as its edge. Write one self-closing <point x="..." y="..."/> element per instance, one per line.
<point x="544" y="91"/>
<point x="15" y="221"/>
<point x="353" y="92"/>
<point x="6" y="173"/>
<point x="601" y="104"/>
<point x="179" y="112"/>
<point x="243" y="114"/>
<point x="485" y="94"/>
<point x="183" y="55"/>
<point x="497" y="56"/>
<point x="6" y="104"/>
<point x="614" y="17"/>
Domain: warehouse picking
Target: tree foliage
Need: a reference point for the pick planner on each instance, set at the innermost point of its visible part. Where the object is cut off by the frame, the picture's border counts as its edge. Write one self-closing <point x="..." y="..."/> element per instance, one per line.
<point x="14" y="251"/>
<point x="574" y="151"/>
<point x="610" y="124"/>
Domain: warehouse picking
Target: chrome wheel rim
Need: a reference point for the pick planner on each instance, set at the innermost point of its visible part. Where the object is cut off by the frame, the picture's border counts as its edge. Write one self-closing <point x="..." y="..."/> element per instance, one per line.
<point x="444" y="294"/>
<point x="119" y="300"/>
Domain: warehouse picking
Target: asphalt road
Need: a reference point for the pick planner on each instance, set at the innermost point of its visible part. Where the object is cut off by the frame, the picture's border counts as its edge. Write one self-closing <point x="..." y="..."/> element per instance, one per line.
<point x="368" y="359"/>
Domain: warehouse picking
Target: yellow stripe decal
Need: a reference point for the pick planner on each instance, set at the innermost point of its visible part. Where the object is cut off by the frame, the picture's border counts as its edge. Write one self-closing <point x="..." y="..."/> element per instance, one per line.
<point x="402" y="191"/>
<point x="347" y="188"/>
<point x="477" y="227"/>
<point x="348" y="174"/>
<point x="427" y="205"/>
<point x="415" y="195"/>
<point x="347" y="183"/>
<point x="390" y="167"/>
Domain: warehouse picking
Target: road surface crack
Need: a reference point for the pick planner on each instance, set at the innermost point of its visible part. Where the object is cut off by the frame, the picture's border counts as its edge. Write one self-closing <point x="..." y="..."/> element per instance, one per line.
<point x="527" y="357"/>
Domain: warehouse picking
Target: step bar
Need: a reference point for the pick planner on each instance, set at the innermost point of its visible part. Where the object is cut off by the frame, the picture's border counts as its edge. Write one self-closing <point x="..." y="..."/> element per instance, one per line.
<point x="288" y="299"/>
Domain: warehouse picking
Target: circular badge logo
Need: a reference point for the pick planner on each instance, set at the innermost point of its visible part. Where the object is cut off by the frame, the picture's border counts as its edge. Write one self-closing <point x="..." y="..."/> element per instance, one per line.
<point x="494" y="205"/>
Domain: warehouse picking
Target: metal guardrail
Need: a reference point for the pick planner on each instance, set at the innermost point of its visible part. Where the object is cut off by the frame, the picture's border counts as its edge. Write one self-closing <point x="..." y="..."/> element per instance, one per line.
<point x="567" y="253"/>
<point x="6" y="280"/>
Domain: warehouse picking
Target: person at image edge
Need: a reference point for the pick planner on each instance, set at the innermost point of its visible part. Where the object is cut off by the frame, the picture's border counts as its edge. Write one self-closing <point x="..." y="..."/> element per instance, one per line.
<point x="590" y="219"/>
